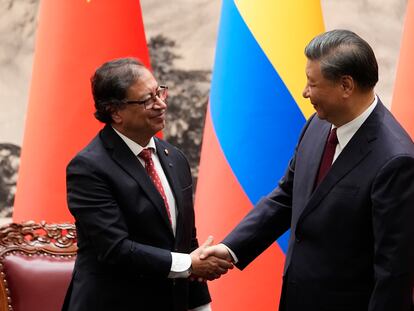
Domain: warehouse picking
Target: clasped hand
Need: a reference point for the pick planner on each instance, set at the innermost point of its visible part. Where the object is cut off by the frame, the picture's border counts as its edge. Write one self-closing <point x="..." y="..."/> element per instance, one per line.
<point x="210" y="262"/>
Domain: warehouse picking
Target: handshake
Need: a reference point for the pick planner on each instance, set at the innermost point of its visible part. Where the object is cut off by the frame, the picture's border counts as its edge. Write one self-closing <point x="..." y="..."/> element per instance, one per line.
<point x="209" y="261"/>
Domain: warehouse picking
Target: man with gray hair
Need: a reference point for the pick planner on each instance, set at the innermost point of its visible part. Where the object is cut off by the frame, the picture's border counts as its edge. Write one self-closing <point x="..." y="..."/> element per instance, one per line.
<point x="347" y="194"/>
<point x="132" y="198"/>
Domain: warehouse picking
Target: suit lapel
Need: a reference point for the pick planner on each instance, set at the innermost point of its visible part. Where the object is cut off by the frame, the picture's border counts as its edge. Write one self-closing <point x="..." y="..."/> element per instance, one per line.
<point x="312" y="160"/>
<point x="354" y="152"/>
<point x="131" y="165"/>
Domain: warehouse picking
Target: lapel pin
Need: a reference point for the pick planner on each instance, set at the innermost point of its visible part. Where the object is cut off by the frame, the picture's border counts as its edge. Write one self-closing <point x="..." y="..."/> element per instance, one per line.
<point x="166" y="151"/>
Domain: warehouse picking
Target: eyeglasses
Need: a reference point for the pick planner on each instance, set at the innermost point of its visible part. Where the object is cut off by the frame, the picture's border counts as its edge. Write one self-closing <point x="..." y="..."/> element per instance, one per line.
<point x="161" y="93"/>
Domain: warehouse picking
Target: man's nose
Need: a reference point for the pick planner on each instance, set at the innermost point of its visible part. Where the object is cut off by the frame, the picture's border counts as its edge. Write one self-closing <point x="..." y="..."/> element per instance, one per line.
<point x="159" y="103"/>
<point x="305" y="92"/>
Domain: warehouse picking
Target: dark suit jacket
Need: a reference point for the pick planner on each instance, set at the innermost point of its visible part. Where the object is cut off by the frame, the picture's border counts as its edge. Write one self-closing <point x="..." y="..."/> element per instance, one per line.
<point x="124" y="235"/>
<point x="352" y="238"/>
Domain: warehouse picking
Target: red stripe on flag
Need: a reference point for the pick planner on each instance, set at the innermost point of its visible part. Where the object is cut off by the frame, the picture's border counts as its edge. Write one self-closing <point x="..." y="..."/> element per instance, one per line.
<point x="402" y="106"/>
<point x="220" y="204"/>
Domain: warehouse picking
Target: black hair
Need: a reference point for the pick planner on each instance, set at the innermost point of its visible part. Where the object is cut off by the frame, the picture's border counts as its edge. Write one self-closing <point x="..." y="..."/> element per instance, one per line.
<point x="110" y="84"/>
<point x="342" y="52"/>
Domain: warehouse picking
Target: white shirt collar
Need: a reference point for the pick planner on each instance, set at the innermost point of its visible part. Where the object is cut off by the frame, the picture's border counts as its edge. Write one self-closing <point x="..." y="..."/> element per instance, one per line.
<point x="136" y="148"/>
<point x="348" y="130"/>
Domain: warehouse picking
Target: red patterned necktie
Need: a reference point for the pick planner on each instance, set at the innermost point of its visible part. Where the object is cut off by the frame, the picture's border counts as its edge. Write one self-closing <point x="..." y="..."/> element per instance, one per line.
<point x="145" y="154"/>
<point x="328" y="155"/>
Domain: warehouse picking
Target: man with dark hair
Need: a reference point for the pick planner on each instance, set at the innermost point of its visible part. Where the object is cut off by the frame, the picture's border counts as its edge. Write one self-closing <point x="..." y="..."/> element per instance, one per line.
<point x="347" y="194"/>
<point x="132" y="198"/>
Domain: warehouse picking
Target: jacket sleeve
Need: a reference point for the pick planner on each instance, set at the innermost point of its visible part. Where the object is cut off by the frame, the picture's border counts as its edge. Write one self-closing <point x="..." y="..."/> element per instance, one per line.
<point x="268" y="220"/>
<point x="392" y="218"/>
<point x="100" y="221"/>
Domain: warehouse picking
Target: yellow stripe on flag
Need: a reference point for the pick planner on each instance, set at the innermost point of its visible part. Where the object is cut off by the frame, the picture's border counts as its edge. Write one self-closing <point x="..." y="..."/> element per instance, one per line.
<point x="283" y="28"/>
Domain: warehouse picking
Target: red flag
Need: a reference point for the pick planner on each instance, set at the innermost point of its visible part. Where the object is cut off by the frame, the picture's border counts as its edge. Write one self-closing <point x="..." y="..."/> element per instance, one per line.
<point x="402" y="106"/>
<point x="73" y="39"/>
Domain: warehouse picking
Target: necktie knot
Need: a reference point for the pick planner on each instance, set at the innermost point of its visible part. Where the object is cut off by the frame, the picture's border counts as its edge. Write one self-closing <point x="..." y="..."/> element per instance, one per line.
<point x="333" y="138"/>
<point x="327" y="156"/>
<point x="145" y="154"/>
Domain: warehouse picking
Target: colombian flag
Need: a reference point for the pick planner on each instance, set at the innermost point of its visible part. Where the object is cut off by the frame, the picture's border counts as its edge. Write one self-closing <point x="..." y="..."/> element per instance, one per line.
<point x="254" y="119"/>
<point x="402" y="106"/>
<point x="73" y="38"/>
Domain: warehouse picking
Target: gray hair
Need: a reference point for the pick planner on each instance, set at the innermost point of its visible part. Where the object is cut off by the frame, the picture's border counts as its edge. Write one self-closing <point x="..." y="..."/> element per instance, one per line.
<point x="342" y="52"/>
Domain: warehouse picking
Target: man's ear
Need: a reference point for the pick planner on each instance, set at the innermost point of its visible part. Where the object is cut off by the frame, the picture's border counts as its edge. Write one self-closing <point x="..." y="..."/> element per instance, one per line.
<point x="116" y="116"/>
<point x="348" y="85"/>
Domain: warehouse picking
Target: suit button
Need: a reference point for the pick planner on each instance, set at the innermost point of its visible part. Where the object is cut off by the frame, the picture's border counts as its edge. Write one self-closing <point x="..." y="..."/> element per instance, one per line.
<point x="298" y="240"/>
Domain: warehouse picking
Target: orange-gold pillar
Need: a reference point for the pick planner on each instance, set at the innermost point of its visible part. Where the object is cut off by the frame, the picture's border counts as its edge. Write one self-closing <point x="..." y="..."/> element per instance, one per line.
<point x="73" y="38"/>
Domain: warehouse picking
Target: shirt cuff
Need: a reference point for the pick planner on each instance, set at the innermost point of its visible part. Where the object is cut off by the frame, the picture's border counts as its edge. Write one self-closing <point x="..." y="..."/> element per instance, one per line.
<point x="180" y="266"/>
<point x="206" y="307"/>
<point x="232" y="254"/>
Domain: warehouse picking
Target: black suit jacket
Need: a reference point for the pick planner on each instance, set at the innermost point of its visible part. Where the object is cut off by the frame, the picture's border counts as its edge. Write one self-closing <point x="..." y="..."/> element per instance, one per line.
<point x="352" y="238"/>
<point x="124" y="235"/>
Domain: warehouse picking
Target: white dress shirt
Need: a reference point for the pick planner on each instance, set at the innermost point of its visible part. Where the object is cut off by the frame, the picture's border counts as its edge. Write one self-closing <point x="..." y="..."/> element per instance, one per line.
<point x="348" y="130"/>
<point x="180" y="263"/>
